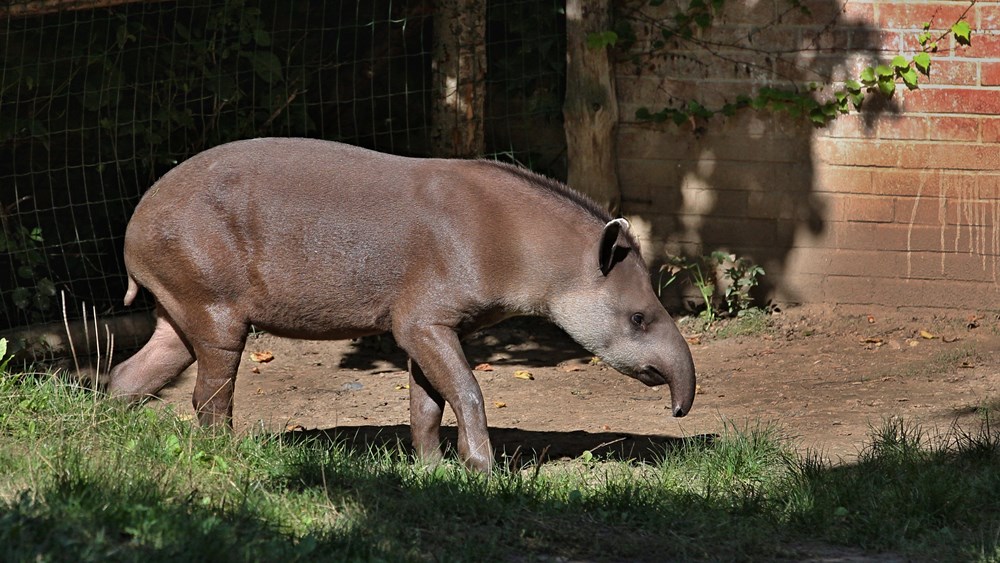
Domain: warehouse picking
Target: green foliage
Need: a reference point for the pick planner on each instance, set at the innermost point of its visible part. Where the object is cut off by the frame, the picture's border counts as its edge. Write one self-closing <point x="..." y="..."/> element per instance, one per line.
<point x="880" y="79"/>
<point x="738" y="276"/>
<point x="4" y="358"/>
<point x="90" y="480"/>
<point x="33" y="291"/>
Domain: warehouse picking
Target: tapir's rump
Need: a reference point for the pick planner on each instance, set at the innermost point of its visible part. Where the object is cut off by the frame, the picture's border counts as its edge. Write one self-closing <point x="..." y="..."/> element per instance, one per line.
<point x="316" y="239"/>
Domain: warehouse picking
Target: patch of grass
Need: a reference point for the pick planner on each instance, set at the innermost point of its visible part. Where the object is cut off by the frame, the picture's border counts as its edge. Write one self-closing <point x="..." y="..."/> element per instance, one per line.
<point x="751" y="322"/>
<point x="88" y="479"/>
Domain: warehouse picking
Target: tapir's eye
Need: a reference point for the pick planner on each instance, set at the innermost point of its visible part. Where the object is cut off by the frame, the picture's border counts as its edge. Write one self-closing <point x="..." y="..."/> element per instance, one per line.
<point x="638" y="320"/>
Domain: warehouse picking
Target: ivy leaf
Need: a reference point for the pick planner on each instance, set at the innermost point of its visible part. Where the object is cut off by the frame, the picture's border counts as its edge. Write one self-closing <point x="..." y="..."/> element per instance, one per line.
<point x="643" y="113"/>
<point x="602" y="39"/>
<point x="899" y="62"/>
<point x="887" y="86"/>
<point x="883" y="71"/>
<point x="868" y="76"/>
<point x="923" y="63"/>
<point x="857" y="99"/>
<point x="853" y="86"/>
<point x="962" y="32"/>
<point x="909" y="77"/>
<point x="266" y="65"/>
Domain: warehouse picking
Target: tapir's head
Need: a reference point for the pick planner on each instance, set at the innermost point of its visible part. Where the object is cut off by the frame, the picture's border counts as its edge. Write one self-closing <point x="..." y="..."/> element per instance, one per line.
<point x="613" y="312"/>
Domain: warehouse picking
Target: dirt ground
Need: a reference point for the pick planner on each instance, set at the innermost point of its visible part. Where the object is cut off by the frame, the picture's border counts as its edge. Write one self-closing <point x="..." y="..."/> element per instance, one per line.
<point x="822" y="378"/>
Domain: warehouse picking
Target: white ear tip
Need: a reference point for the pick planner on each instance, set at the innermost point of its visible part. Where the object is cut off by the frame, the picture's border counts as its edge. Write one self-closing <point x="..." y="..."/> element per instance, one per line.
<point x="622" y="222"/>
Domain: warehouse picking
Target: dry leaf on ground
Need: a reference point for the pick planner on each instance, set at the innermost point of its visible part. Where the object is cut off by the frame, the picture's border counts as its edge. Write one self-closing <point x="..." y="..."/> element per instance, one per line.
<point x="261" y="357"/>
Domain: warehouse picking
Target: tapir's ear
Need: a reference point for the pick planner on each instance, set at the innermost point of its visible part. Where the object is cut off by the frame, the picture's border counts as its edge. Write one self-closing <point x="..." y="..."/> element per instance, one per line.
<point x="613" y="247"/>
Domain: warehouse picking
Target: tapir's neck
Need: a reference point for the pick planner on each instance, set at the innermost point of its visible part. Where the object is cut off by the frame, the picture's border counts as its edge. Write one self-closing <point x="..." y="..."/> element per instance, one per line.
<point x="560" y="258"/>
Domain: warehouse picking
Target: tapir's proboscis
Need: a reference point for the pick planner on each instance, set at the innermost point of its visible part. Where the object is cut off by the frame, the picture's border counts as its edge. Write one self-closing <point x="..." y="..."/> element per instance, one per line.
<point x="315" y="239"/>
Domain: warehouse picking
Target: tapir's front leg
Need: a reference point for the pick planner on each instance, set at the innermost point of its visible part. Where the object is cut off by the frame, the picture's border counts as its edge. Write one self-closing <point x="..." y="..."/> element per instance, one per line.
<point x="439" y="354"/>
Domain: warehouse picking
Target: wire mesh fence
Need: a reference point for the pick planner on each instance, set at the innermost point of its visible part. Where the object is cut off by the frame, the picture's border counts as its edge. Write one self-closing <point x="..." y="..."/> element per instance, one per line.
<point x="97" y="103"/>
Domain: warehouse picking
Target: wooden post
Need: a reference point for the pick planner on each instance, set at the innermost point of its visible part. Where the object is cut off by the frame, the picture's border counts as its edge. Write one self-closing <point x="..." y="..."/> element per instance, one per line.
<point x="459" y="78"/>
<point x="590" y="111"/>
<point x="28" y="8"/>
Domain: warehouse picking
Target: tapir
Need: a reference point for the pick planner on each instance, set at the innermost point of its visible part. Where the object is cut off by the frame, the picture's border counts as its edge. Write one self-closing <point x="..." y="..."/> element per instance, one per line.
<point x="314" y="239"/>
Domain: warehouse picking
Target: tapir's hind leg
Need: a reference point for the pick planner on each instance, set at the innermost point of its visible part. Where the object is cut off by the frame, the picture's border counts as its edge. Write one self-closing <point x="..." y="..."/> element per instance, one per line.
<point x="218" y="347"/>
<point x="426" y="409"/>
<point x="161" y="360"/>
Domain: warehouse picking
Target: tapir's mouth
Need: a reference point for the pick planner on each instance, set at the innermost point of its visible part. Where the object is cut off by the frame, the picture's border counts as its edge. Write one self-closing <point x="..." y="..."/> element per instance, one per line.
<point x="651" y="376"/>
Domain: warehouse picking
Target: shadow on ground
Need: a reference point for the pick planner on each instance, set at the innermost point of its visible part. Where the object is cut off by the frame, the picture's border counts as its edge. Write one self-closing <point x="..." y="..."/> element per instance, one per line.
<point x="514" y="446"/>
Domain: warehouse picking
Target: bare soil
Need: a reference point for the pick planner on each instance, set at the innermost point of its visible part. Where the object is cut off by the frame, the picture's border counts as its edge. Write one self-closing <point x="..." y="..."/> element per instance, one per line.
<point x="824" y="379"/>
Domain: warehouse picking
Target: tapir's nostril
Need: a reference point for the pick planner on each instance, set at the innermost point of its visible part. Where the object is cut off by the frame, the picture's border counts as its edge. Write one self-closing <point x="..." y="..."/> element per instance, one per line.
<point x="679" y="411"/>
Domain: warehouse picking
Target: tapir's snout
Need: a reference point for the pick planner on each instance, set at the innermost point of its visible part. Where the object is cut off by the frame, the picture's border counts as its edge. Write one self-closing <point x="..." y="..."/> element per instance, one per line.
<point x="682" y="385"/>
<point x="678" y="376"/>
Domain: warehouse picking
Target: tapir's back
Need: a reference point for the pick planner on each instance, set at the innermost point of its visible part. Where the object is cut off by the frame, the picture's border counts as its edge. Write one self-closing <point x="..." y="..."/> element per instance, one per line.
<point x="298" y="232"/>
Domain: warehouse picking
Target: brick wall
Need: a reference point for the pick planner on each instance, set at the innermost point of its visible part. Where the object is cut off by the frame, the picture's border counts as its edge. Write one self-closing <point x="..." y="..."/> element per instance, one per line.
<point x="895" y="206"/>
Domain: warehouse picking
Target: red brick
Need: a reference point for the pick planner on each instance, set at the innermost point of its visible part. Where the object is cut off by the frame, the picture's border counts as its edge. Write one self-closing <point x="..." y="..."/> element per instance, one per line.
<point x="858" y="209"/>
<point x="954" y="129"/>
<point x="982" y="46"/>
<point x="910" y="15"/>
<point x="921" y="210"/>
<point x="856" y="153"/>
<point x="857" y="13"/>
<point x="949" y="156"/>
<point x="850" y="126"/>
<point x="954" y="73"/>
<point x="989" y="74"/>
<point x="907" y="182"/>
<point x="952" y="100"/>
<point x="988" y="15"/>
<point x="991" y="130"/>
<point x="768" y="205"/>
<point x="843" y="180"/>
<point x="952" y="266"/>
<point x="820" y="12"/>
<point x="902" y="127"/>
<point x="989" y="184"/>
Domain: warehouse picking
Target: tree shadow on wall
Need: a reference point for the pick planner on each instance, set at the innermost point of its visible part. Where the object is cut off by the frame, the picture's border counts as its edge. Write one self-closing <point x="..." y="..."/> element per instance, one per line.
<point x="747" y="183"/>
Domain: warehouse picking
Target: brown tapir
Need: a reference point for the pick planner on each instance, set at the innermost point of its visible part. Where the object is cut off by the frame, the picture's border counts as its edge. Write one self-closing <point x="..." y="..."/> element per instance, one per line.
<point x="315" y="239"/>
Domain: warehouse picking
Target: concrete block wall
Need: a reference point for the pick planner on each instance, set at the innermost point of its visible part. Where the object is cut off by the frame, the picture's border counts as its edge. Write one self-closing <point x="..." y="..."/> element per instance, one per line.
<point x="896" y="206"/>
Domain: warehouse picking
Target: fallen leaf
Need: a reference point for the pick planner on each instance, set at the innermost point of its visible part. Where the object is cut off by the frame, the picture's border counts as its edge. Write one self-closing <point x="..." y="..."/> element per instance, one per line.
<point x="523" y="374"/>
<point x="401" y="386"/>
<point x="255" y="369"/>
<point x="260" y="391"/>
<point x="594" y="361"/>
<point x="697" y="390"/>
<point x="499" y="404"/>
<point x="261" y="357"/>
<point x="871" y="319"/>
<point x="570" y="367"/>
<point x="693" y="340"/>
<point x="483" y="367"/>
<point x="873" y="340"/>
<point x="605" y="427"/>
<point x="949" y="339"/>
<point x="926" y="335"/>
<point x="967" y="364"/>
<point x="294" y="428"/>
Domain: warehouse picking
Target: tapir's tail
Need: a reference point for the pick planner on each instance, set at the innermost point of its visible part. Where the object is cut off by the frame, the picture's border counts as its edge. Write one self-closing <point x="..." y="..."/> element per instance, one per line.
<point x="133" y="290"/>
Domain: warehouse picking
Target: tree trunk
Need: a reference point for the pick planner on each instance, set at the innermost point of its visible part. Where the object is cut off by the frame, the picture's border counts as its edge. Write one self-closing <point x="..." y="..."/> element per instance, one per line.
<point x="590" y="111"/>
<point x="459" y="78"/>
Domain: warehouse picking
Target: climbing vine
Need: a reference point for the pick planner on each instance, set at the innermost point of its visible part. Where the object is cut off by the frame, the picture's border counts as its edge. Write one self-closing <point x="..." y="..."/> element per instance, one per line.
<point x="820" y="103"/>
